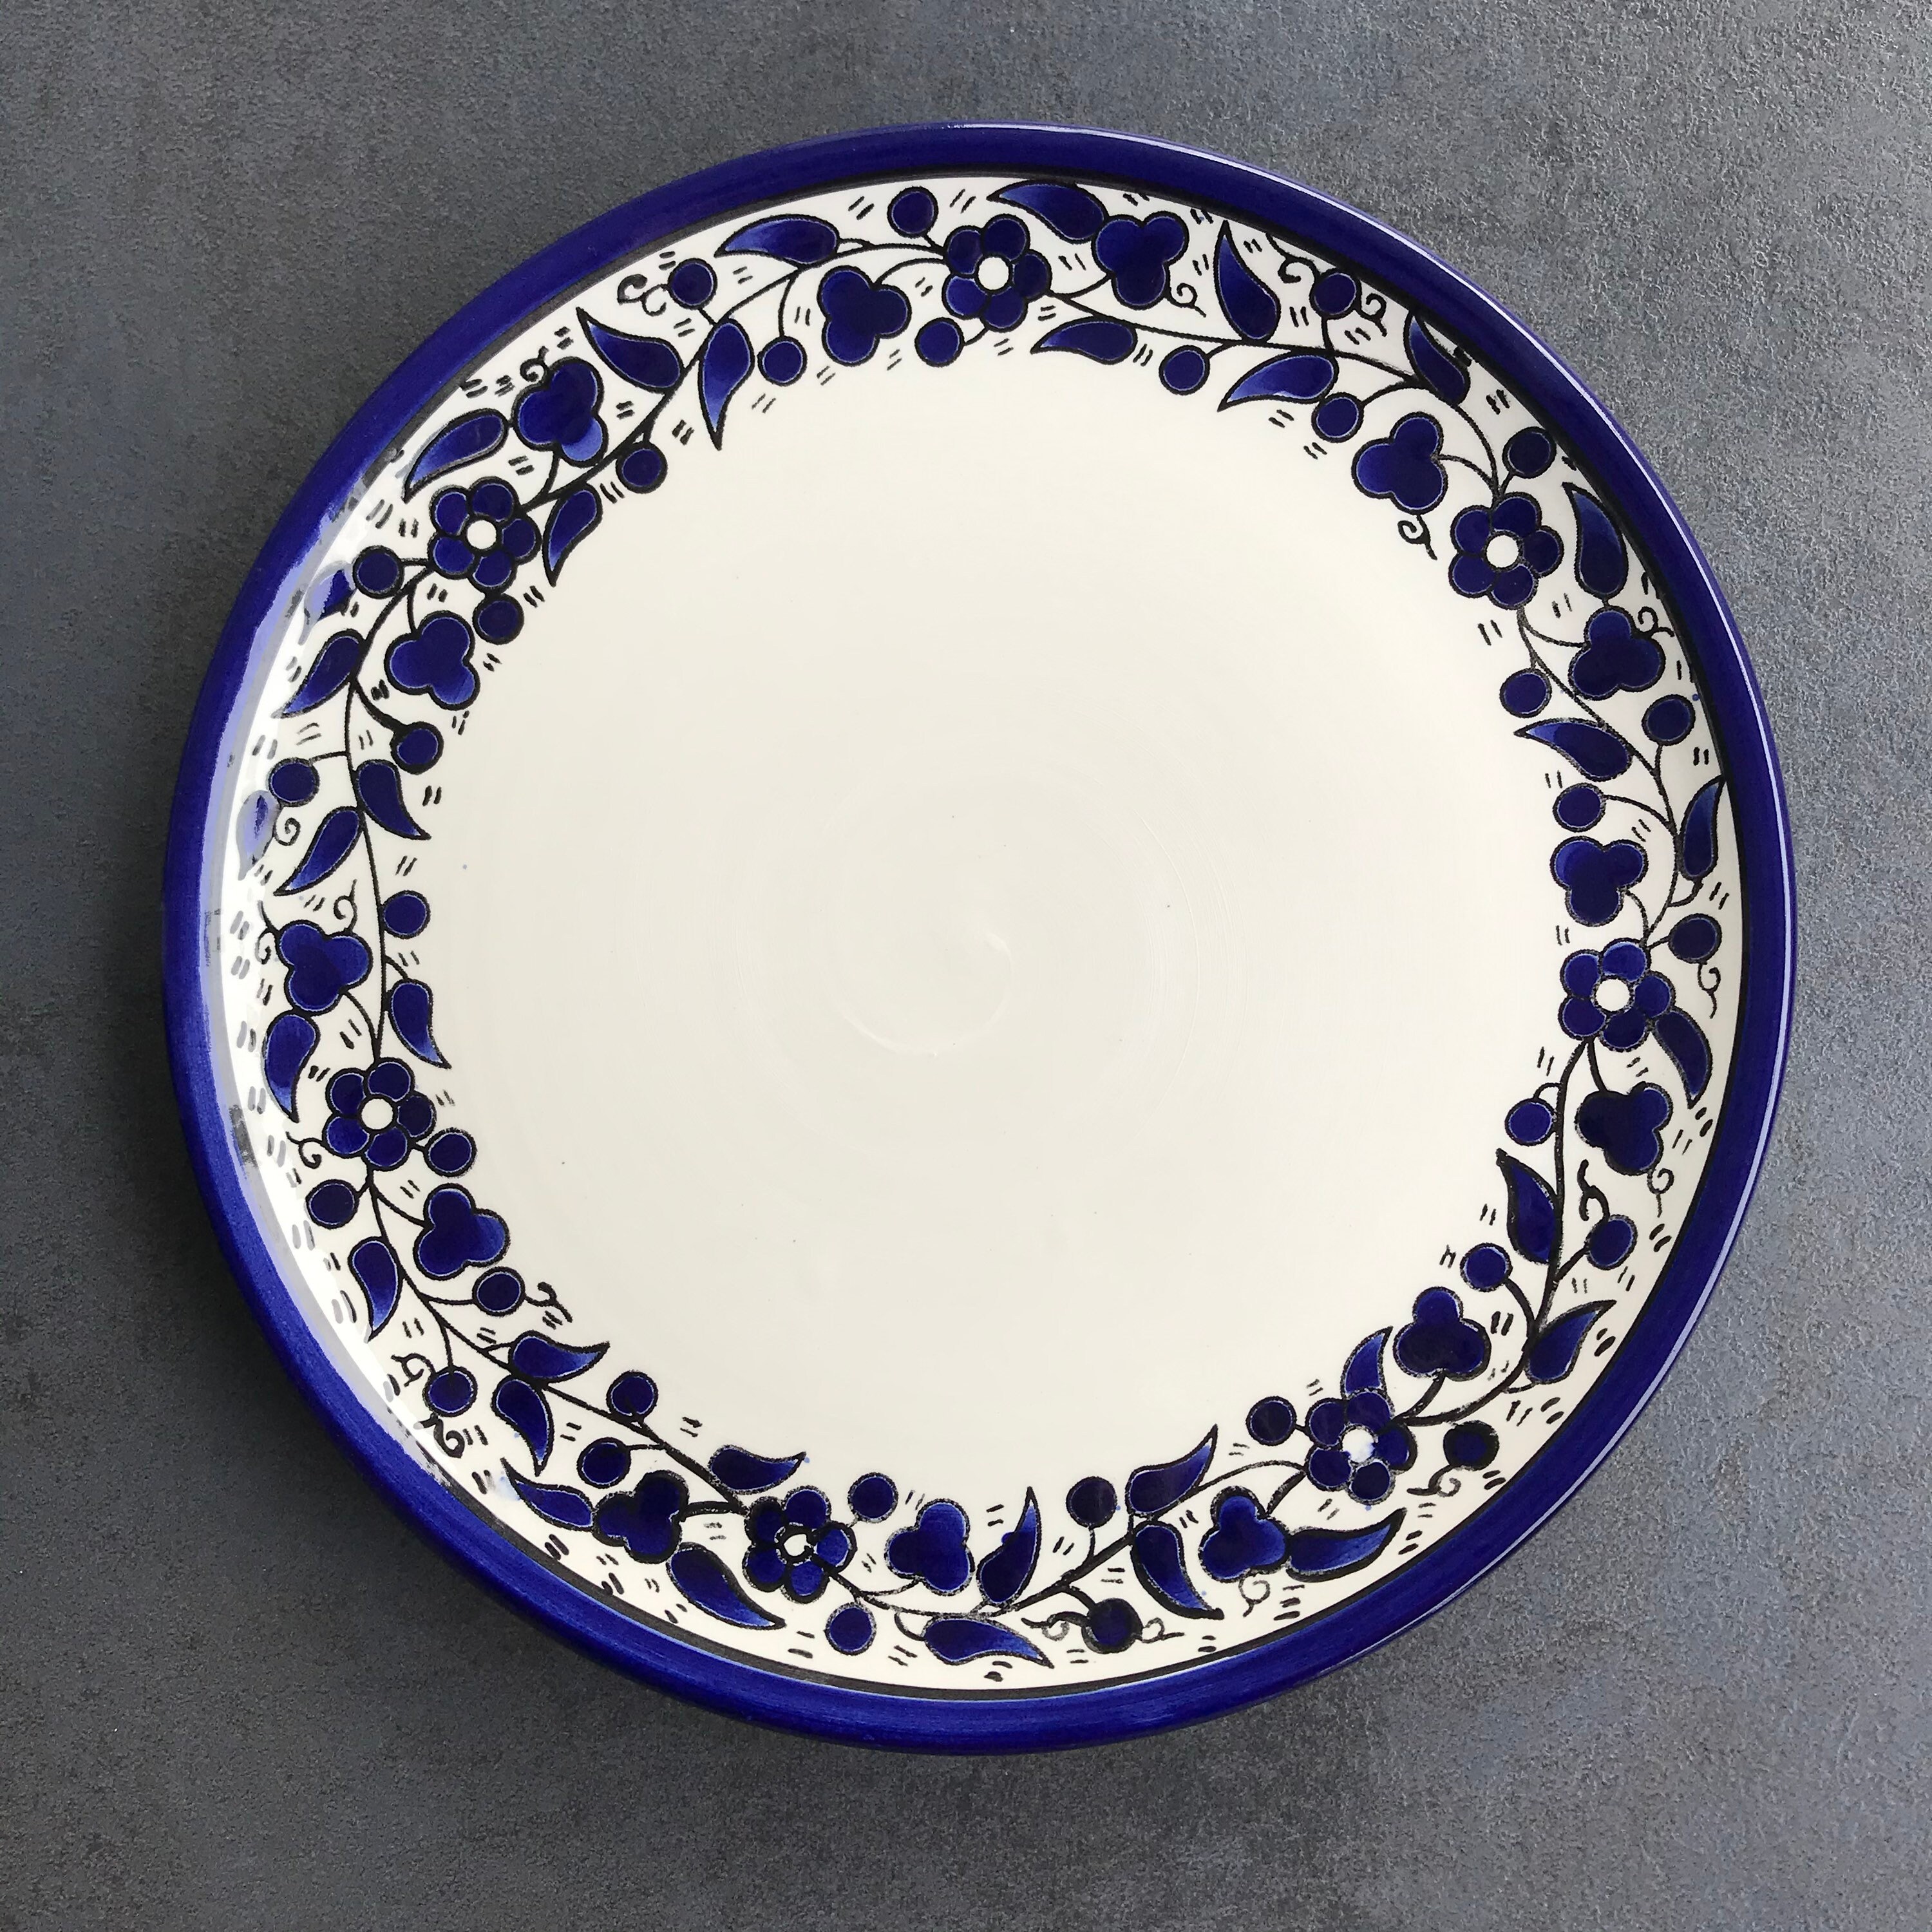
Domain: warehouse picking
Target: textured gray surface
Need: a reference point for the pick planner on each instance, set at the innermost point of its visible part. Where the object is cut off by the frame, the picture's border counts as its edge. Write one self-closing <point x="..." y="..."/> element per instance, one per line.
<point x="238" y="1692"/>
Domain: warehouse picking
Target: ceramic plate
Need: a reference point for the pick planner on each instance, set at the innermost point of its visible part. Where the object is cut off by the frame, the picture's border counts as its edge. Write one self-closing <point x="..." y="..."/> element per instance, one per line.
<point x="979" y="935"/>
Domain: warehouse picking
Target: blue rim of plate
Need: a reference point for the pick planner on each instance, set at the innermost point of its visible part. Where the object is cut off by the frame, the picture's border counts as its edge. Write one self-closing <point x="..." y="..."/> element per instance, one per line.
<point x="933" y="1721"/>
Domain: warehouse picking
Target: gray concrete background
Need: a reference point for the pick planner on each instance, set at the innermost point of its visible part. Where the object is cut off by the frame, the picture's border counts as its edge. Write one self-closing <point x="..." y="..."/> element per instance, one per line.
<point x="236" y="1692"/>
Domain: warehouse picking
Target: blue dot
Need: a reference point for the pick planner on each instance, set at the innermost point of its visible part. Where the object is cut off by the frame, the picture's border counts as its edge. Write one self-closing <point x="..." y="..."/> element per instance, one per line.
<point x="1485" y="1267"/>
<point x="633" y="1394"/>
<point x="293" y="782"/>
<point x="1092" y="1501"/>
<point x="692" y="284"/>
<point x="1529" y="1123"/>
<point x="499" y="1292"/>
<point x="1112" y="1624"/>
<point x="849" y="1629"/>
<point x="377" y="571"/>
<point x="781" y="361"/>
<point x="912" y="211"/>
<point x="1470" y="1445"/>
<point x="1183" y="370"/>
<point x="1524" y="693"/>
<point x="1529" y="452"/>
<point x="938" y="342"/>
<point x="332" y="1204"/>
<point x="643" y="469"/>
<point x="450" y="1391"/>
<point x="1669" y="720"/>
<point x="1271" y="1421"/>
<point x="500" y="619"/>
<point x="1610" y="1240"/>
<point x="605" y="1462"/>
<point x="1334" y="294"/>
<point x="1695" y="939"/>
<point x="1578" y="807"/>
<point x="419" y="747"/>
<point x="1338" y="418"/>
<point x="405" y="914"/>
<point x="872" y="1498"/>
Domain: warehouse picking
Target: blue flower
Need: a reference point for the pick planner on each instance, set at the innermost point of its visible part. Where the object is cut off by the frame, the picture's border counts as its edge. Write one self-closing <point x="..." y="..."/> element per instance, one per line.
<point x="377" y="1115"/>
<point x="560" y="411"/>
<point x="646" y="1520"/>
<point x="1242" y="1540"/>
<point x="1442" y="1340"/>
<point x="795" y="1543"/>
<point x="1594" y="878"/>
<point x="436" y="659"/>
<point x="323" y="966"/>
<point x="1616" y="656"/>
<point x="1614" y="996"/>
<point x="1504" y="552"/>
<point x="1626" y="1128"/>
<point x="480" y="534"/>
<point x="1402" y="465"/>
<point x="457" y="1234"/>
<point x="933" y="1550"/>
<point x="1359" y="1445"/>
<point x="995" y="275"/>
<point x="860" y="313"/>
<point x="1137" y="255"/>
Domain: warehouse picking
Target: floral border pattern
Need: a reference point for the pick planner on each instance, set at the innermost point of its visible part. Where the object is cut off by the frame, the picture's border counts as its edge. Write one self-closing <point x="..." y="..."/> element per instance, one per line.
<point x="496" y="495"/>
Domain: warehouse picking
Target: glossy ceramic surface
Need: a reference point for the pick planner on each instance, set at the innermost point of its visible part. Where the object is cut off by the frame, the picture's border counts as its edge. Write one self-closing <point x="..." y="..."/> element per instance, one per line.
<point x="979" y="935"/>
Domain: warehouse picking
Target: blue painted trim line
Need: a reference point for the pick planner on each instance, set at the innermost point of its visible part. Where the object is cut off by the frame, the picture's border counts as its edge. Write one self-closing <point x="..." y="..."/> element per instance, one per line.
<point x="197" y="847"/>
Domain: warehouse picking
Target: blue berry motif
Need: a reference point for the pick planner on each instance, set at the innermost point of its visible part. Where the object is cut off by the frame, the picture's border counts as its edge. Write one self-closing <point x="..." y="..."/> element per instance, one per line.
<point x="560" y="411"/>
<point x="1243" y="1540"/>
<point x="1402" y="466"/>
<point x="435" y="660"/>
<point x="1440" y="1340"/>
<point x="1138" y="254"/>
<point x="860" y="313"/>
<point x="647" y="1522"/>
<point x="323" y="966"/>
<point x="1627" y="1128"/>
<point x="1594" y="878"/>
<point x="1616" y="656"/>
<point x="933" y="1550"/>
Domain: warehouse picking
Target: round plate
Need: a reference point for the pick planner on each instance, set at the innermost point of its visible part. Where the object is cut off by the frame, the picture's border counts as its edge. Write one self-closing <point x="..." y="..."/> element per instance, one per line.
<point x="979" y="935"/>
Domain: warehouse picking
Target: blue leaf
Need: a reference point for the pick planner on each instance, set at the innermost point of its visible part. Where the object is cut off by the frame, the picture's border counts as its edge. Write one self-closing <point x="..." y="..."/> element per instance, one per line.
<point x="1553" y="1354"/>
<point x="1683" y="1039"/>
<point x="554" y="1502"/>
<point x="540" y="1360"/>
<point x="1096" y="336"/>
<point x="379" y="786"/>
<point x="1363" y="1370"/>
<point x="1156" y="1486"/>
<point x="1334" y="1552"/>
<point x="254" y="827"/>
<point x="648" y="361"/>
<point x="1602" y="561"/>
<point x="577" y="514"/>
<point x="373" y="1262"/>
<point x="1697" y="842"/>
<point x="960" y="1640"/>
<point x="1007" y="1571"/>
<point x="334" y="664"/>
<point x="330" y="594"/>
<point x="1595" y="750"/>
<point x="1531" y="1215"/>
<point x="1298" y="377"/>
<point x="714" y="1589"/>
<point x="525" y="1410"/>
<point x="1442" y="372"/>
<point x="409" y="1002"/>
<point x="740" y="1470"/>
<point x="1161" y="1565"/>
<point x="466" y="438"/>
<point x="723" y="363"/>
<point x="335" y="839"/>
<point x="803" y="240"/>
<point x="1246" y="300"/>
<point x="1071" y="212"/>
<point x="290" y="1040"/>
